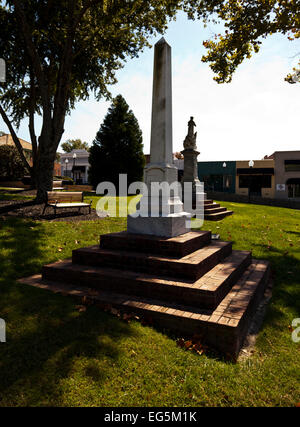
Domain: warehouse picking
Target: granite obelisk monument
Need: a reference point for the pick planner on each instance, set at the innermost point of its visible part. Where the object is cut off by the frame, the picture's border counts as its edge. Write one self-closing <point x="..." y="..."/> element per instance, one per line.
<point x="161" y="212"/>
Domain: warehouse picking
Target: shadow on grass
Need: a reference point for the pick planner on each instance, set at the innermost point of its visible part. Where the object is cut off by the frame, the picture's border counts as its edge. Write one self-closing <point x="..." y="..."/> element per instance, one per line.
<point x="297" y="233"/>
<point x="285" y="271"/>
<point x="46" y="333"/>
<point x="14" y="206"/>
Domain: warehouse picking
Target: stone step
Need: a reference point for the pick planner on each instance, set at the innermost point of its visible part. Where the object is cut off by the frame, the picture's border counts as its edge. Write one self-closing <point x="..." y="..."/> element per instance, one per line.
<point x="207" y="291"/>
<point x="191" y="266"/>
<point x="208" y="201"/>
<point x="223" y="328"/>
<point x="211" y="206"/>
<point x="217" y="216"/>
<point x="214" y="210"/>
<point x="175" y="246"/>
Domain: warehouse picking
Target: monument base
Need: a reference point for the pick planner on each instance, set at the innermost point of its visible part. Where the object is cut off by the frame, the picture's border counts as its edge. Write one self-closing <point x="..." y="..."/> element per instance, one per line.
<point x="189" y="284"/>
<point x="164" y="226"/>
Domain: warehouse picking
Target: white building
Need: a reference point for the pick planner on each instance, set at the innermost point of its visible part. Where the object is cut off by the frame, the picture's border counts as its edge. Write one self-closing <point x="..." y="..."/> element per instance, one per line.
<point x="75" y="165"/>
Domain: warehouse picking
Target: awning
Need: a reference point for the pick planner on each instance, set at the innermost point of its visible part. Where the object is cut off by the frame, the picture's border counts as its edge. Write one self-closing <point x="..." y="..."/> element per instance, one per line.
<point x="293" y="181"/>
<point x="292" y="162"/>
<point x="255" y="171"/>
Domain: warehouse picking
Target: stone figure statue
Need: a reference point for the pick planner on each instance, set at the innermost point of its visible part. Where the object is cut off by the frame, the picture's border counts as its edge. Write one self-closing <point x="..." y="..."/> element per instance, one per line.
<point x="191" y="125"/>
<point x="190" y="139"/>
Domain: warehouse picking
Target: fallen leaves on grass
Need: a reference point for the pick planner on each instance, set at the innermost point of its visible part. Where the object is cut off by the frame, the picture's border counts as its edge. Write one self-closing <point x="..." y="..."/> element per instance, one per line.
<point x="193" y="344"/>
<point x="126" y="317"/>
<point x="85" y="300"/>
<point x="115" y="312"/>
<point x="80" y="308"/>
<point x="188" y="344"/>
<point x="180" y="342"/>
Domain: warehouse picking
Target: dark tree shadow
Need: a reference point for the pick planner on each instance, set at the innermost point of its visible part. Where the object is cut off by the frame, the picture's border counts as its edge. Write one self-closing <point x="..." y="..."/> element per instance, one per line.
<point x="45" y="331"/>
<point x="18" y="205"/>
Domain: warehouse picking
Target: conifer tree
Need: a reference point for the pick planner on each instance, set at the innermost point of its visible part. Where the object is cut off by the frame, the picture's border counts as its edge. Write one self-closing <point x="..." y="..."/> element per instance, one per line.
<point x="118" y="147"/>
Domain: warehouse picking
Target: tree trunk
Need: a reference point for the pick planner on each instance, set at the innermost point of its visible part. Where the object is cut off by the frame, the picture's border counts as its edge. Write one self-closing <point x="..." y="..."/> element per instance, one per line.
<point x="44" y="179"/>
<point x="44" y="170"/>
<point x="33" y="177"/>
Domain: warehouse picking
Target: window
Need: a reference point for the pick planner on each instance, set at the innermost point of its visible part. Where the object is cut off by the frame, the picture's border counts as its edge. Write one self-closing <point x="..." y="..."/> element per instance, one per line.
<point x="227" y="181"/>
<point x="213" y="182"/>
<point x="262" y="181"/>
<point x="244" y="181"/>
<point x="293" y="191"/>
<point x="292" y="165"/>
<point x="266" y="181"/>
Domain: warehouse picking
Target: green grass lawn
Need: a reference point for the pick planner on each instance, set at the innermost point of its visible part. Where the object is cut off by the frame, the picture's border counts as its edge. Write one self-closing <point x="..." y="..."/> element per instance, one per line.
<point x="17" y="197"/>
<point x="56" y="355"/>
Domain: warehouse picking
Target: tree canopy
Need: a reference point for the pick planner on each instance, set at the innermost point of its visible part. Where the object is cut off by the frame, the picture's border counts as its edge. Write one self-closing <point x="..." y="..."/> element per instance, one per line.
<point x="118" y="147"/>
<point x="59" y="52"/>
<point x="247" y="23"/>
<point x="74" y="144"/>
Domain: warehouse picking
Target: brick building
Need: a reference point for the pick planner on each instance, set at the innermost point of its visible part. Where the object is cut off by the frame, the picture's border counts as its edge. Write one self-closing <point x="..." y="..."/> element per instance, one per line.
<point x="27" y="148"/>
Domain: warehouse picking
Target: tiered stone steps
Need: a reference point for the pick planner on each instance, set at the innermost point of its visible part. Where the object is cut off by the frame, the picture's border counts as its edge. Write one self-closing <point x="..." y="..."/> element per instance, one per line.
<point x="191" y="266"/>
<point x="214" y="212"/>
<point x="186" y="283"/>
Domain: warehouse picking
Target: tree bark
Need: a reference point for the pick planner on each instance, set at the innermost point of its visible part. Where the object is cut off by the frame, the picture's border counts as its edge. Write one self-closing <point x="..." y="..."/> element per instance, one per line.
<point x="44" y="169"/>
<point x="44" y="179"/>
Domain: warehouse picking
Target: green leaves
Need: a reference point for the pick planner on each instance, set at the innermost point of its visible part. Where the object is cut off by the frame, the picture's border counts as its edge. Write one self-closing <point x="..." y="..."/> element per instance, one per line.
<point x="247" y="23"/>
<point x="102" y="35"/>
<point x="74" y="144"/>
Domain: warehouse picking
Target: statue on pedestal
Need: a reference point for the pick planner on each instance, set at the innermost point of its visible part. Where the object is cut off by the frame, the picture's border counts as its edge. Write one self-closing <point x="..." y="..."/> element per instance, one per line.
<point x="190" y="139"/>
<point x="190" y="153"/>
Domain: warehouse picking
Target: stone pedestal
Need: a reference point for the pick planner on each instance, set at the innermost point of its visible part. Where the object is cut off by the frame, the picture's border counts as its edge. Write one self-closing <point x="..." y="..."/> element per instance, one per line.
<point x="190" y="175"/>
<point x="164" y="226"/>
<point x="195" y="195"/>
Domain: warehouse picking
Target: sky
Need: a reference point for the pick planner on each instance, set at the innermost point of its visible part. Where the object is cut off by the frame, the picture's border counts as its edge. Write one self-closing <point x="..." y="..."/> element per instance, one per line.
<point x="253" y="116"/>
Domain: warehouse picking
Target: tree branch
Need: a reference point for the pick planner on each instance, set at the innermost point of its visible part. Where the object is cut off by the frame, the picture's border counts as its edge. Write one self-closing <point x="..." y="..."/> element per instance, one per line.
<point x="15" y="139"/>
<point x="32" y="52"/>
<point x="86" y="6"/>
<point x="31" y="118"/>
<point x="63" y="79"/>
